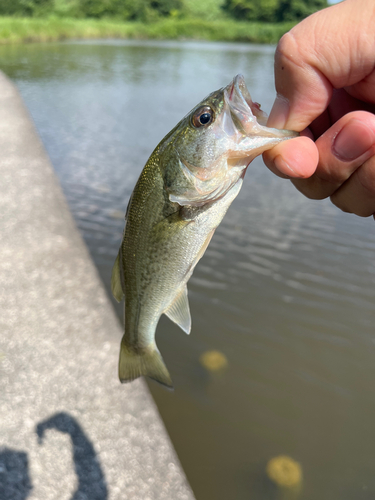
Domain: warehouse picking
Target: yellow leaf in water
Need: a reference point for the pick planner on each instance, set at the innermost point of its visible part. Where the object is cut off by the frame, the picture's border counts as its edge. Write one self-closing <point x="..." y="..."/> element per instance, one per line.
<point x="284" y="471"/>
<point x="214" y="360"/>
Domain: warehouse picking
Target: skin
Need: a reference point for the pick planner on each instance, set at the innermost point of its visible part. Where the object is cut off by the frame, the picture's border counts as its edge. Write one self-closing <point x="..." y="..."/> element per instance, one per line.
<point x="325" y="84"/>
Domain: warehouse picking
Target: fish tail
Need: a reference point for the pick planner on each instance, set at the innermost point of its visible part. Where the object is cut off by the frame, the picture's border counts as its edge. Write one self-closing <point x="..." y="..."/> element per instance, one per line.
<point x="146" y="361"/>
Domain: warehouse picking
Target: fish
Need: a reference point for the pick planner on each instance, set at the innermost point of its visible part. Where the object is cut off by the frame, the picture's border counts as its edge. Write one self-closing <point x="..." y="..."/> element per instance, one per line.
<point x="180" y="198"/>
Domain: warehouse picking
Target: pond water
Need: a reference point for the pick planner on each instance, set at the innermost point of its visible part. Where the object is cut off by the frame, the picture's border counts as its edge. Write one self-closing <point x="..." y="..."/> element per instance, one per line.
<point x="286" y="289"/>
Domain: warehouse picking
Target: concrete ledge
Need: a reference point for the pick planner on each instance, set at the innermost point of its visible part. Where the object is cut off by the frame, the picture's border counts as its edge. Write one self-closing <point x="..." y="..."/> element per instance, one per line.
<point x="68" y="429"/>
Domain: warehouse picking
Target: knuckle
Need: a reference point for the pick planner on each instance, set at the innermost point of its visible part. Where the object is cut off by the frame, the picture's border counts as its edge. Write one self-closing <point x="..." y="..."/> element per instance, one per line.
<point x="330" y="174"/>
<point x="293" y="51"/>
<point x="341" y="203"/>
<point x="312" y="188"/>
<point x="357" y="194"/>
<point x="287" y="48"/>
<point x="366" y="177"/>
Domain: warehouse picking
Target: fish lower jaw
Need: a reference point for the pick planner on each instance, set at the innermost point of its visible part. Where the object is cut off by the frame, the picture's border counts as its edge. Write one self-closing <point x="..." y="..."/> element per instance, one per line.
<point x="240" y="164"/>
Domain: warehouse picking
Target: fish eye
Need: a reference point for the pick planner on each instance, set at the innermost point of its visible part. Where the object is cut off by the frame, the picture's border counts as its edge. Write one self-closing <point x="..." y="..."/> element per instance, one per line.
<point x="203" y="117"/>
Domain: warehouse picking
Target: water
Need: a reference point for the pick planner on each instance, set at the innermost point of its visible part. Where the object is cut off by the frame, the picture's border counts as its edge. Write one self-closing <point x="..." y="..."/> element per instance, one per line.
<point x="285" y="290"/>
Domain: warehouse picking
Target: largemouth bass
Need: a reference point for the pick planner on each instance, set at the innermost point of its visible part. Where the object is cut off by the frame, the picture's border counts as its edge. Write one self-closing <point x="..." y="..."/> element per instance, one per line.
<point x="182" y="195"/>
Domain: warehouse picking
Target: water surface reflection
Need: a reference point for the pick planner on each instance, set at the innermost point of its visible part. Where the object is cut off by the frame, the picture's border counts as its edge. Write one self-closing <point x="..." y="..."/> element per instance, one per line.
<point x="285" y="290"/>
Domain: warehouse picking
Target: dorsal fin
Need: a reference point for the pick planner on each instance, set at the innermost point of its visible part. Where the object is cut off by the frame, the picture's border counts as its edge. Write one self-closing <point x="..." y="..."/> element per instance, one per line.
<point x="179" y="312"/>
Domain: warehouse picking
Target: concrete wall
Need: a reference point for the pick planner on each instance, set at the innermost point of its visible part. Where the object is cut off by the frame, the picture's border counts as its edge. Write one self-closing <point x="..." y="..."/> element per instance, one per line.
<point x="68" y="428"/>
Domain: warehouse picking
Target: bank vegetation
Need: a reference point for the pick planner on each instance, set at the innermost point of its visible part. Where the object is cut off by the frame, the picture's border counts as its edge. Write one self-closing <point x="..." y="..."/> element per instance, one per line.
<point x="256" y="21"/>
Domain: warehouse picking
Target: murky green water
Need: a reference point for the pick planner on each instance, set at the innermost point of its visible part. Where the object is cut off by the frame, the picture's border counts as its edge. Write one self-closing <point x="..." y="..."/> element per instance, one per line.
<point x="286" y="289"/>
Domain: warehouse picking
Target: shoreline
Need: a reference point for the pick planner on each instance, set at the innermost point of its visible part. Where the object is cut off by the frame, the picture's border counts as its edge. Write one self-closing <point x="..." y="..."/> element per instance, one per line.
<point x="36" y="30"/>
<point x="59" y="349"/>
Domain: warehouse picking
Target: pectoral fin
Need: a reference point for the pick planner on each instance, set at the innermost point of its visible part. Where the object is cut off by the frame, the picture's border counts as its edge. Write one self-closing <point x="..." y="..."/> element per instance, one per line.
<point x="116" y="286"/>
<point x="203" y="249"/>
<point x="179" y="311"/>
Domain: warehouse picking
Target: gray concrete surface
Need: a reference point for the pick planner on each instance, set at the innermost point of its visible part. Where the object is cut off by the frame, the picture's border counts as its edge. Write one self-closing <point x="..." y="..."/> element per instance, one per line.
<point x="68" y="428"/>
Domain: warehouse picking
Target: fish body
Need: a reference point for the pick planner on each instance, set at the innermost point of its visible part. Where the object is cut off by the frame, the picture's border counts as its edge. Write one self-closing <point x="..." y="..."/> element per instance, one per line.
<point x="182" y="195"/>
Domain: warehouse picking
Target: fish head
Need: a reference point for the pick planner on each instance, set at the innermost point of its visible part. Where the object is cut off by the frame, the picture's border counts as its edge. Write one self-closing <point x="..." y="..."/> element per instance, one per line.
<point x="210" y="149"/>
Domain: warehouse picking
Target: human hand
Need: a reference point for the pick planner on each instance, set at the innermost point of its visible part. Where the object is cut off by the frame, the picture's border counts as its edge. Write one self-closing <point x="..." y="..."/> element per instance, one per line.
<point x="325" y="83"/>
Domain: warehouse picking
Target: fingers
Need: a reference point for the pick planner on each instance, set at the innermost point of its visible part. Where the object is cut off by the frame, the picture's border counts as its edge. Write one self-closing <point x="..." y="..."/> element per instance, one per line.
<point x="339" y="165"/>
<point x="317" y="56"/>
<point x="343" y="149"/>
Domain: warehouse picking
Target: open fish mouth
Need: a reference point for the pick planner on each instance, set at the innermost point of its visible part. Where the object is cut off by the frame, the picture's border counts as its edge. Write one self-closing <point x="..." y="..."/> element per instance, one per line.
<point x="239" y="99"/>
<point x="246" y="114"/>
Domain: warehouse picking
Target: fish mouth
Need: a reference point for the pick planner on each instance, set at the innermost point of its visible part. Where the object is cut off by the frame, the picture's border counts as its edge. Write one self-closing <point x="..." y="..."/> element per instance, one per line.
<point x="241" y="103"/>
<point x="246" y="114"/>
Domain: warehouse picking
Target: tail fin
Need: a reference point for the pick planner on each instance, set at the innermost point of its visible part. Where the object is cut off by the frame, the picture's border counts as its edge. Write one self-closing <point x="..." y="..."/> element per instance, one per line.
<point x="147" y="362"/>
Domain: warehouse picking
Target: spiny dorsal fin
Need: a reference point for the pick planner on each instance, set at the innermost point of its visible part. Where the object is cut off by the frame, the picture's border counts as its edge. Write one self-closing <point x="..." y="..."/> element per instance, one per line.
<point x="179" y="311"/>
<point x="116" y="286"/>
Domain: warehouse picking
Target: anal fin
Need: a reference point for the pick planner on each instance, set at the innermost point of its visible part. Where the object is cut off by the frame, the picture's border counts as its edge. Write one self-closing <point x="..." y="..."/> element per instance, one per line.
<point x="179" y="311"/>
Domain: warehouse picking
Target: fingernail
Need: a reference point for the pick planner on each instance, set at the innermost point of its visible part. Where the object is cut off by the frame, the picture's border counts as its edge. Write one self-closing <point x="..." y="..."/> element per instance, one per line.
<point x="283" y="166"/>
<point x="353" y="140"/>
<point x="279" y="112"/>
